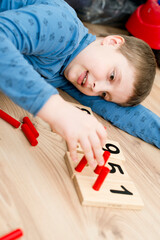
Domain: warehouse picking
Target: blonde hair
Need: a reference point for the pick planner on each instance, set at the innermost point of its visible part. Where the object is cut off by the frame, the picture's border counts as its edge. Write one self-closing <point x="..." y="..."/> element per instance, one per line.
<point x="141" y="57"/>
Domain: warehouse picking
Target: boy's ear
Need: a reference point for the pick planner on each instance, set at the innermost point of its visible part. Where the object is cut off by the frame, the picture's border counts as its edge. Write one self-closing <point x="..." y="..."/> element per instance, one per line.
<point x="113" y="40"/>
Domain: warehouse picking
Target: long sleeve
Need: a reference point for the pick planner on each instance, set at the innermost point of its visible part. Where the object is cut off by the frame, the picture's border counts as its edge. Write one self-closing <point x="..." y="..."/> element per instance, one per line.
<point x="137" y="121"/>
<point x="19" y="80"/>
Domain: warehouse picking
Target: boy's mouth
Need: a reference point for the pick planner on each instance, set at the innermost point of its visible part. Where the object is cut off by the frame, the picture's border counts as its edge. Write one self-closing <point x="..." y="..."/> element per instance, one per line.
<point x="82" y="80"/>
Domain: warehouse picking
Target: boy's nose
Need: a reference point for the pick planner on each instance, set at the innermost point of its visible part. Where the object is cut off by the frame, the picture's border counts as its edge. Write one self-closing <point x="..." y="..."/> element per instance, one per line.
<point x="98" y="86"/>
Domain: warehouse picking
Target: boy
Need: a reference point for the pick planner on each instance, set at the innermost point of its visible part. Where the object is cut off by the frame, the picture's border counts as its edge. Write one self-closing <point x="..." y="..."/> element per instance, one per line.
<point x="44" y="46"/>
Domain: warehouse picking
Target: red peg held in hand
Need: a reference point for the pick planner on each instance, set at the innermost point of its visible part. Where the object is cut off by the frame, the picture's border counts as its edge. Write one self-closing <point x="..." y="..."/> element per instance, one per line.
<point x="106" y="156"/>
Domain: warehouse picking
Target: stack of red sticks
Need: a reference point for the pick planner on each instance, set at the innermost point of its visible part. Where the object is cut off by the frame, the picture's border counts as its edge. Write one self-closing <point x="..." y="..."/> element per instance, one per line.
<point x="27" y="127"/>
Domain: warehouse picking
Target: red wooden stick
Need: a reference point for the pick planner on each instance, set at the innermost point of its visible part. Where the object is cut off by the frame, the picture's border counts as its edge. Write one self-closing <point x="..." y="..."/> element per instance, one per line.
<point x="13" y="235"/>
<point x="106" y="156"/>
<point x="81" y="164"/>
<point x="29" y="135"/>
<point x="9" y="119"/>
<point x="31" y="126"/>
<point x="100" y="179"/>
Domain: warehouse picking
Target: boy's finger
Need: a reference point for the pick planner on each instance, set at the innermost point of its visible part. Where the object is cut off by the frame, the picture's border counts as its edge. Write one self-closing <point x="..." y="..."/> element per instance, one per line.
<point x="97" y="148"/>
<point x="102" y="134"/>
<point x="86" y="146"/>
<point x="72" y="146"/>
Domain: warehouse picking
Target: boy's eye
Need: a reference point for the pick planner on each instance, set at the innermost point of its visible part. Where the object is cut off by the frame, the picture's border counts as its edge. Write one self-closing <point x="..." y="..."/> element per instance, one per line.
<point x="112" y="76"/>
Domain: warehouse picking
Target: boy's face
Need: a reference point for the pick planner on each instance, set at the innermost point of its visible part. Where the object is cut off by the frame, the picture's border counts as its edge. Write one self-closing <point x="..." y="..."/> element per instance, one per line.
<point x="101" y="70"/>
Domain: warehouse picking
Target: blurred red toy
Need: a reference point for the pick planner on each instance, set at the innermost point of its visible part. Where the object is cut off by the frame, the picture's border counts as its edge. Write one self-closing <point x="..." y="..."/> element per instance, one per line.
<point x="144" y="23"/>
<point x="13" y="235"/>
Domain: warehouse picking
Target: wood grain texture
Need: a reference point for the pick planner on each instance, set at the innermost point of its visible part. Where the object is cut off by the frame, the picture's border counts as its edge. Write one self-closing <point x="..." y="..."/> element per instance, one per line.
<point x="38" y="196"/>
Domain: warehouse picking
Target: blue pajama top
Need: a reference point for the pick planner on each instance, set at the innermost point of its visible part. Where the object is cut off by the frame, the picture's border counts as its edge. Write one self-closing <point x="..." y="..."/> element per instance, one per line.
<point x="38" y="39"/>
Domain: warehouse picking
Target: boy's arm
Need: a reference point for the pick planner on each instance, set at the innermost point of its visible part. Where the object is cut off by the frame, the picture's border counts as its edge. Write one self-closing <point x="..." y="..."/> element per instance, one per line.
<point x="137" y="121"/>
<point x="29" y="90"/>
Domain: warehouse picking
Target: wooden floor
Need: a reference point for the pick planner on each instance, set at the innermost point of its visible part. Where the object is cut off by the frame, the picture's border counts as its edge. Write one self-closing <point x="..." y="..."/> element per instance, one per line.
<point x="38" y="196"/>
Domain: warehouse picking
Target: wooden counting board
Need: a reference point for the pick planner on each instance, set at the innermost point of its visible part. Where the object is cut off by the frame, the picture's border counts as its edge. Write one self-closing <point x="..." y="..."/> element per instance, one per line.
<point x="117" y="191"/>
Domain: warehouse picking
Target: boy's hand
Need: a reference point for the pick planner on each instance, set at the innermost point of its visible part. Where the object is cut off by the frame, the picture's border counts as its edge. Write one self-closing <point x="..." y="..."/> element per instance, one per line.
<point x="75" y="126"/>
